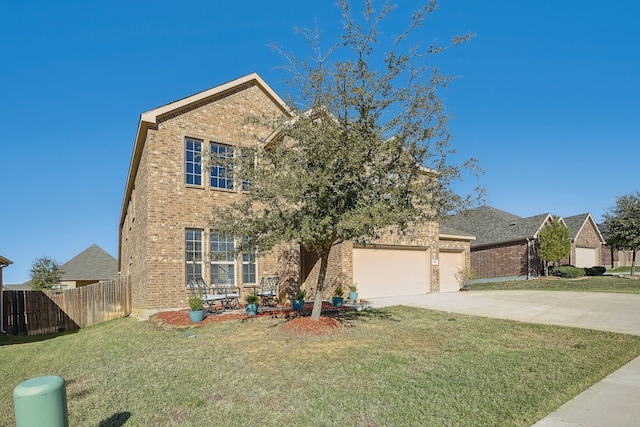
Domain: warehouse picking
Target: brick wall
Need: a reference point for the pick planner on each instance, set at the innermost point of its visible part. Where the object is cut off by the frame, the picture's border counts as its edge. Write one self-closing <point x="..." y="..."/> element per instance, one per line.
<point x="163" y="206"/>
<point x="505" y="260"/>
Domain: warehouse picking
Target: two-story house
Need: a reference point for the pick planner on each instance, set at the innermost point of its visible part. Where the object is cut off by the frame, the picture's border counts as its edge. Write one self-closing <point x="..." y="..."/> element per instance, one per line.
<point x="172" y="192"/>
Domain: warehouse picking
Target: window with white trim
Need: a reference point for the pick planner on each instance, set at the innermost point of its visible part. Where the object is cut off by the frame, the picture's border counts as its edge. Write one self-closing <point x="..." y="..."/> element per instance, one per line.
<point x="222" y="259"/>
<point x="221" y="166"/>
<point x="248" y="165"/>
<point x="249" y="266"/>
<point x="193" y="253"/>
<point x="193" y="165"/>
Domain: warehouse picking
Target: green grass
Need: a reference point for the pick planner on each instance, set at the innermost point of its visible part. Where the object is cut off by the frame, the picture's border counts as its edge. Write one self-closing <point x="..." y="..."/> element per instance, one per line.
<point x="396" y="366"/>
<point x="624" y="269"/>
<point x="589" y="284"/>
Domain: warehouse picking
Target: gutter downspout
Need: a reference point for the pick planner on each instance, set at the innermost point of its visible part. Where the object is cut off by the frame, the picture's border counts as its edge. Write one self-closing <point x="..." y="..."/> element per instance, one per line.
<point x="528" y="259"/>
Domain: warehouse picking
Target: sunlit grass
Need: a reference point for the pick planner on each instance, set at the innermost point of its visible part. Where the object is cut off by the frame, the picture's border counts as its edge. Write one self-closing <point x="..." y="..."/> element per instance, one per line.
<point x="591" y="284"/>
<point x="397" y="366"/>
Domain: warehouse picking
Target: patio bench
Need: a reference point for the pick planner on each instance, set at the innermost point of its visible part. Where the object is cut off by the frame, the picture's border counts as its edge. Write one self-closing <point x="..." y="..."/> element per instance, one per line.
<point x="198" y="287"/>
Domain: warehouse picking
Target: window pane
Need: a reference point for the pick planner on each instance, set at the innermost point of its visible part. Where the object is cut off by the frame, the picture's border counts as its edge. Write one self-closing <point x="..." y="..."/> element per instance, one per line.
<point x="248" y="265"/>
<point x="222" y="258"/>
<point x="222" y="166"/>
<point x="193" y="166"/>
<point x="193" y="253"/>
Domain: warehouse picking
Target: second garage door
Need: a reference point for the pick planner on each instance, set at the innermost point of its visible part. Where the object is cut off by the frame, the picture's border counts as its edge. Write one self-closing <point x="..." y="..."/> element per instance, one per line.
<point x="450" y="263"/>
<point x="389" y="272"/>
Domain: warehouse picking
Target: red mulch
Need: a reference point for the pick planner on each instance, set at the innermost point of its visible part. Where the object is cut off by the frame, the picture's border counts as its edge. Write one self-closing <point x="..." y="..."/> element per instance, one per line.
<point x="306" y="326"/>
<point x="298" y="323"/>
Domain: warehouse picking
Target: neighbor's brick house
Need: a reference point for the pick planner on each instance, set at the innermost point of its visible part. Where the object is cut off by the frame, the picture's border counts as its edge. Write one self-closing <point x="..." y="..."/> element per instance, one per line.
<point x="586" y="241"/>
<point x="505" y="245"/>
<point x="165" y="234"/>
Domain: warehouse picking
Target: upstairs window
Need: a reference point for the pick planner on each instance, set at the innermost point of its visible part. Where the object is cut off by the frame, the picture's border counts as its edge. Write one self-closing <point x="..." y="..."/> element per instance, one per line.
<point x="248" y="165"/>
<point x="221" y="166"/>
<point x="193" y="165"/>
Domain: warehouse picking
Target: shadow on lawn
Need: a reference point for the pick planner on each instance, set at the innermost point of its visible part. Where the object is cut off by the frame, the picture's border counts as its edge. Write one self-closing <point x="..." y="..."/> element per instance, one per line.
<point x="116" y="420"/>
<point x="350" y="317"/>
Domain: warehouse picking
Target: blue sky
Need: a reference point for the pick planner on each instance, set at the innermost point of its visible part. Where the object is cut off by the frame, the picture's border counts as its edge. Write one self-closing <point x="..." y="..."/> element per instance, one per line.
<point x="548" y="100"/>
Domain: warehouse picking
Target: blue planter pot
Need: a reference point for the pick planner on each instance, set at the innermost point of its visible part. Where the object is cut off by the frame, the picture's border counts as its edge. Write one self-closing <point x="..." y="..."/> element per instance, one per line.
<point x="196" y="316"/>
<point x="297" y="304"/>
<point x="353" y="295"/>
<point x="337" y="301"/>
<point x="251" y="309"/>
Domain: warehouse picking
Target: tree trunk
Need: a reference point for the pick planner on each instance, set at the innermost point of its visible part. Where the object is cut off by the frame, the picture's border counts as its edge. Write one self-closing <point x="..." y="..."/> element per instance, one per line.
<point x="317" y="302"/>
<point x="633" y="262"/>
<point x="612" y="254"/>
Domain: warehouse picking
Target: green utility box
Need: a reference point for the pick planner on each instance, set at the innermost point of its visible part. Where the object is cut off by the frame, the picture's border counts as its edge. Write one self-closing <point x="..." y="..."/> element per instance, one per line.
<point x="41" y="401"/>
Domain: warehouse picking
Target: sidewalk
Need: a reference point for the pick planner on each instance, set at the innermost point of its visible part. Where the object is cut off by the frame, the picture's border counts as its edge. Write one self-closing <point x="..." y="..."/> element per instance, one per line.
<point x="612" y="402"/>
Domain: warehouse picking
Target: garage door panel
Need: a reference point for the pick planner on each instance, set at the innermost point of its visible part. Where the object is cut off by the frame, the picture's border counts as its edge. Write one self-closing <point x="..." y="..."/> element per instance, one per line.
<point x="450" y="263"/>
<point x="389" y="272"/>
<point x="586" y="257"/>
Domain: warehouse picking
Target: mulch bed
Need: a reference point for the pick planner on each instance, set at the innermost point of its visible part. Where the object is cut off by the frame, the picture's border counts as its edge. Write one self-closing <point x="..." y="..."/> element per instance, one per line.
<point x="299" y="323"/>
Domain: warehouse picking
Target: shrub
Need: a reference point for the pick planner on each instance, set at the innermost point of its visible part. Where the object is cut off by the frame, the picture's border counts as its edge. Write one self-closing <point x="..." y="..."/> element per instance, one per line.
<point x="567" y="271"/>
<point x="595" y="271"/>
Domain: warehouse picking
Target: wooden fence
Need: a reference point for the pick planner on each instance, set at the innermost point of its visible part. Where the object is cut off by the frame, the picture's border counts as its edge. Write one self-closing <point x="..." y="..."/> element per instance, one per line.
<point x="49" y="311"/>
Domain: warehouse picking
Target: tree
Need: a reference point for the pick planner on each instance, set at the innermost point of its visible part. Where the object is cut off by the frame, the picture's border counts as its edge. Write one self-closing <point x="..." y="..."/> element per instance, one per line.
<point x="554" y="242"/>
<point x="44" y="272"/>
<point x="365" y="150"/>
<point x="623" y="223"/>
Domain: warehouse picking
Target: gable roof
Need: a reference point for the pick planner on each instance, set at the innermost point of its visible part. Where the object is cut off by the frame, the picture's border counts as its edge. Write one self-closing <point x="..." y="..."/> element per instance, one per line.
<point x="91" y="264"/>
<point x="493" y="226"/>
<point x="4" y="261"/>
<point x="150" y="120"/>
<point x="577" y="222"/>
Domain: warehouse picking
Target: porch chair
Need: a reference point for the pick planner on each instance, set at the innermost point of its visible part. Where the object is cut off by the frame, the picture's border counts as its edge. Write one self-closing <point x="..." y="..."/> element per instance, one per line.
<point x="269" y="291"/>
<point x="198" y="287"/>
<point x="230" y="294"/>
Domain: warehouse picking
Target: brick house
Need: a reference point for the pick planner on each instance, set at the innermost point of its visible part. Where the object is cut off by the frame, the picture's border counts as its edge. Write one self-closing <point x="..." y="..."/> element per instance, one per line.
<point x="586" y="241"/>
<point x="170" y="197"/>
<point x="505" y="245"/>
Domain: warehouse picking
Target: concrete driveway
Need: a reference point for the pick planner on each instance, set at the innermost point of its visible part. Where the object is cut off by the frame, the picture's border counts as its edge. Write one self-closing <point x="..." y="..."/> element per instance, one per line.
<point x="611" y="402"/>
<point x="602" y="311"/>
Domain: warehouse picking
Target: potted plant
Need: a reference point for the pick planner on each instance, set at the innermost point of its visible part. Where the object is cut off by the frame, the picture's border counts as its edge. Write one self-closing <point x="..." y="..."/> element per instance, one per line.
<point x="251" y="306"/>
<point x="298" y="300"/>
<point x="353" y="292"/>
<point x="196" y="312"/>
<point x="337" y="297"/>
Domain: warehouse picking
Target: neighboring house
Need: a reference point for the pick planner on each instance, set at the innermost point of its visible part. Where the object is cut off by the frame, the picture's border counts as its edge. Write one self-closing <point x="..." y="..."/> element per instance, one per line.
<point x="505" y="245"/>
<point x="614" y="257"/>
<point x="586" y="241"/>
<point x="170" y="196"/>
<point x="90" y="266"/>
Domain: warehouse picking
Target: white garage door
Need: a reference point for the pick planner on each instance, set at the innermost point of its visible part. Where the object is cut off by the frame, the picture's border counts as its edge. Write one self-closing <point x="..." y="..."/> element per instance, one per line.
<point x="450" y="263"/>
<point x="389" y="272"/>
<point x="585" y="257"/>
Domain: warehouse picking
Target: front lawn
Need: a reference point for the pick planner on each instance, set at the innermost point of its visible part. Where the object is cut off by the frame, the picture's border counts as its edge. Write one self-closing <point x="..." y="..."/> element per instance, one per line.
<point x="591" y="284"/>
<point x="394" y="366"/>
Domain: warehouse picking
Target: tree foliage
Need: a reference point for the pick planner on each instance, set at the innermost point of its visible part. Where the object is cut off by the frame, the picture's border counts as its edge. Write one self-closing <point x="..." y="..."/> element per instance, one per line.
<point x="44" y="272"/>
<point x="366" y="147"/>
<point x="554" y="241"/>
<point x="623" y="224"/>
